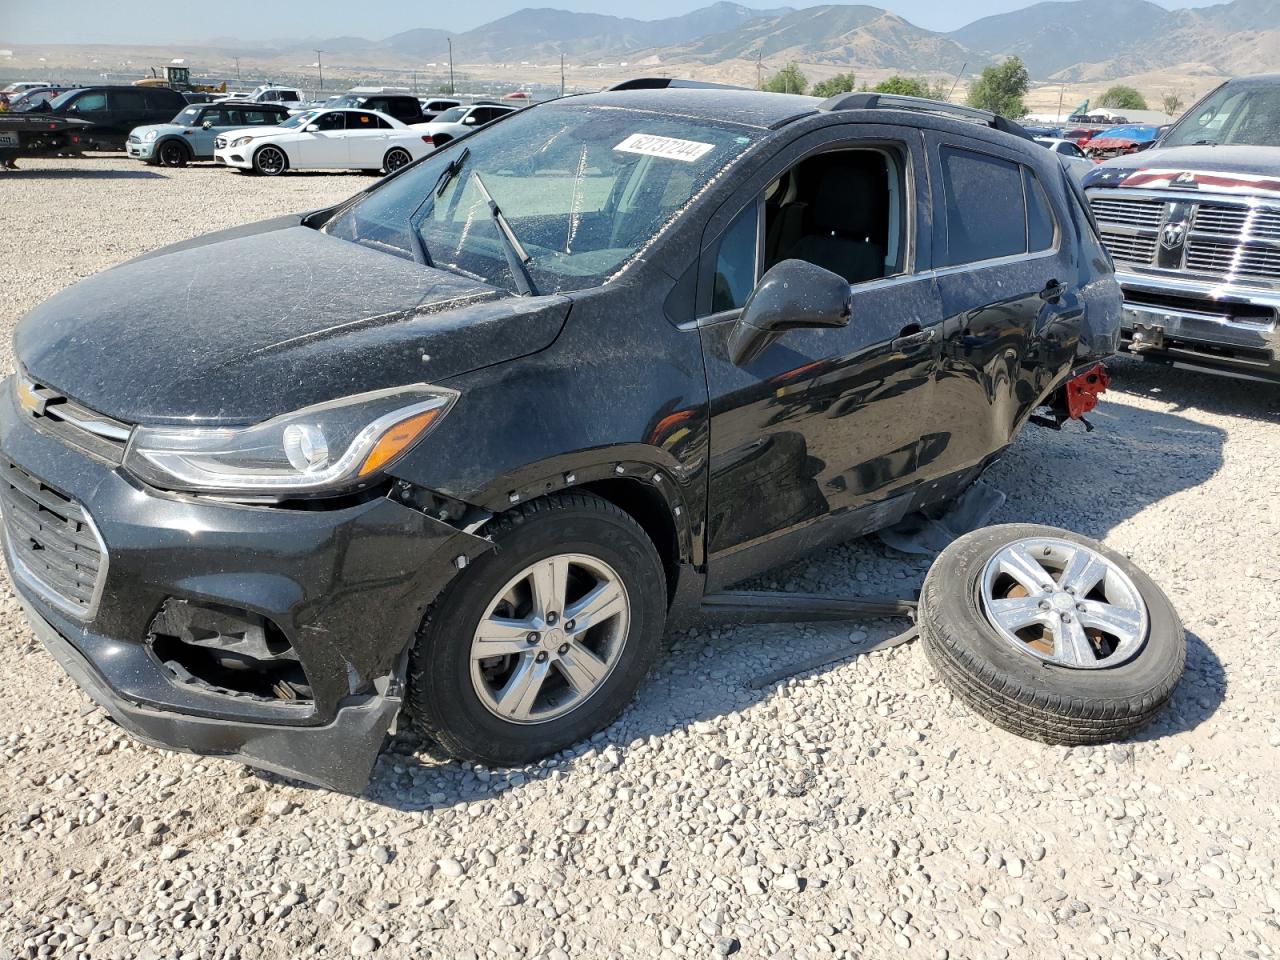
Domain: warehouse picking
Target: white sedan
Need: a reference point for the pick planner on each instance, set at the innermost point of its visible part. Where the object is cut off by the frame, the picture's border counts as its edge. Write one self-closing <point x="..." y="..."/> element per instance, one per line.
<point x="323" y="140"/>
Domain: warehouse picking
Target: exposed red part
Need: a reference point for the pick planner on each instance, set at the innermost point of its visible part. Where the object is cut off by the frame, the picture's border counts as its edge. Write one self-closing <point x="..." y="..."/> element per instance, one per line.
<point x="1083" y="390"/>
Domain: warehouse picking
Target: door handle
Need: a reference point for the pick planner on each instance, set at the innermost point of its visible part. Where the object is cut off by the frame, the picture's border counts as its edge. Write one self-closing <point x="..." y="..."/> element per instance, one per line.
<point x="1053" y="291"/>
<point x="906" y="340"/>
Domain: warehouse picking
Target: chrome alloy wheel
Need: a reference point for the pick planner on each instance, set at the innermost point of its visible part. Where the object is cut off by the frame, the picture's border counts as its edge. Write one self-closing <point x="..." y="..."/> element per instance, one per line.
<point x="270" y="160"/>
<point x="396" y="159"/>
<point x="1062" y="602"/>
<point x="550" y="638"/>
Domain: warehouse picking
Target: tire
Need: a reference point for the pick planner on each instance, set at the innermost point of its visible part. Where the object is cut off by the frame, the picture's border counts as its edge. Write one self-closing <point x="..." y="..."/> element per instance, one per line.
<point x="396" y="158"/>
<point x="446" y="692"/>
<point x="1022" y="691"/>
<point x="270" y="161"/>
<point x="174" y="153"/>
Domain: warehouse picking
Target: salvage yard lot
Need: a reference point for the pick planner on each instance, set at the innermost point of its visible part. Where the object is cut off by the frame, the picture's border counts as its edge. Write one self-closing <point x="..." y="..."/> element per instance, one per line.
<point x="856" y="811"/>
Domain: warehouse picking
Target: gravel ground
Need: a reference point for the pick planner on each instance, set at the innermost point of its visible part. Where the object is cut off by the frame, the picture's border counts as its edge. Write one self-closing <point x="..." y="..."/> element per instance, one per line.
<point x="855" y="811"/>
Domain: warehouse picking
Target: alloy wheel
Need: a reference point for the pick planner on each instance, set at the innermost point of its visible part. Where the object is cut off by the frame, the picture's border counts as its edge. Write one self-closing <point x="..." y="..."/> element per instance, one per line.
<point x="397" y="159"/>
<point x="270" y="161"/>
<point x="173" y="155"/>
<point x="1064" y="603"/>
<point x="550" y="638"/>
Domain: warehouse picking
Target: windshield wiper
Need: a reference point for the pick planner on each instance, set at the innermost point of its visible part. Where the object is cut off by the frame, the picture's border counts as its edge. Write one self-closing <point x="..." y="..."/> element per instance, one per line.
<point x="1204" y="143"/>
<point x="451" y="171"/>
<point x="517" y="258"/>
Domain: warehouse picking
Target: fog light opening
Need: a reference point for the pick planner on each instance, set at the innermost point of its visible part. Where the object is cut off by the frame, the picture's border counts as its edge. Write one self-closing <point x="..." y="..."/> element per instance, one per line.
<point x="227" y="651"/>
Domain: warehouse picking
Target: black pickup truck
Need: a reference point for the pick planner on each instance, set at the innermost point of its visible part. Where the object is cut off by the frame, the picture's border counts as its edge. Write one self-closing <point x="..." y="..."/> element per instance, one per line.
<point x="1193" y="225"/>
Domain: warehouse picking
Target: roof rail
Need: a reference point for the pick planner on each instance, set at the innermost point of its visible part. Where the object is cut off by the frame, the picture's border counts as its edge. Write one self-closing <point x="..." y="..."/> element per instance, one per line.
<point x="895" y="101"/>
<point x="668" y="83"/>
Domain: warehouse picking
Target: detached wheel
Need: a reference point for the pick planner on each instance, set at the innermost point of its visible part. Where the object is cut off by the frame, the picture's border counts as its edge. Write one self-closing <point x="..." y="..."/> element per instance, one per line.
<point x="270" y="161"/>
<point x="1050" y="635"/>
<point x="174" y="154"/>
<point x="542" y="642"/>
<point x="396" y="158"/>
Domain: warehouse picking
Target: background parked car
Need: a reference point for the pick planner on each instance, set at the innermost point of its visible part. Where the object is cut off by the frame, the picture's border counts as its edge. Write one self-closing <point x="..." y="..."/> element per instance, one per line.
<point x="114" y="111"/>
<point x="1066" y="148"/>
<point x="190" y="135"/>
<point x="35" y="99"/>
<point x="459" y="121"/>
<point x="1119" y="141"/>
<point x="404" y="107"/>
<point x="324" y="140"/>
<point x="270" y="93"/>
<point x="432" y="107"/>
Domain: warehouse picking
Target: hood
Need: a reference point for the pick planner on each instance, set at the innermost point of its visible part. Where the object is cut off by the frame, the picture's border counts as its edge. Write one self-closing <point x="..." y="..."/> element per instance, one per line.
<point x="159" y="128"/>
<point x="1205" y="167"/>
<point x="257" y="324"/>
<point x="266" y="131"/>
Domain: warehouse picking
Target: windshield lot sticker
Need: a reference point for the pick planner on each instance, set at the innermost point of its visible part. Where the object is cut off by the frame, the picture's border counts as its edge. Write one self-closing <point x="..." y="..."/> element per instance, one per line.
<point x="669" y="148"/>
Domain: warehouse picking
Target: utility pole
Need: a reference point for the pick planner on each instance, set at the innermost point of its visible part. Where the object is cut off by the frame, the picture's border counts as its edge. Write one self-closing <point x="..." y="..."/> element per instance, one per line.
<point x="562" y="74"/>
<point x="453" y="90"/>
<point x="237" y="60"/>
<point x="760" y="68"/>
<point x="415" y="83"/>
<point x="1061" y="92"/>
<point x="320" y="67"/>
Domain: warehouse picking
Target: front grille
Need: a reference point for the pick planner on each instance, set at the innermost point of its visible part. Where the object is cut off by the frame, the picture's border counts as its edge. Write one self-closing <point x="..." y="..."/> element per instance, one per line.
<point x="1211" y="238"/>
<point x="53" y="543"/>
<point x="1241" y="260"/>
<point x="61" y="417"/>
<point x="1128" y="211"/>
<point x="1130" y="247"/>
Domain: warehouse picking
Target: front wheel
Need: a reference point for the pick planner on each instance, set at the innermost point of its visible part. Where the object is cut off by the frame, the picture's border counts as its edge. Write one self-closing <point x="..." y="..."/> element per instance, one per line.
<point x="396" y="158"/>
<point x="1050" y="635"/>
<point x="174" y="154"/>
<point x="270" y="161"/>
<point x="543" y="641"/>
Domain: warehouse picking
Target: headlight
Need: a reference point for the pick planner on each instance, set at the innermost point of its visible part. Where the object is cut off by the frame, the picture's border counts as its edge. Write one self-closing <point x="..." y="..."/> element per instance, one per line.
<point x="240" y="141"/>
<point x="150" y="135"/>
<point x="339" y="445"/>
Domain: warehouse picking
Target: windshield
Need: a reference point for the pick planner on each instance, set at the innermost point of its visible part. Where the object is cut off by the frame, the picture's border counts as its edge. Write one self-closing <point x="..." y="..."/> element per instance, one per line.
<point x="582" y="188"/>
<point x="1233" y="115"/>
<point x="346" y="101"/>
<point x="57" y="103"/>
<point x="188" y="116"/>
<point x="452" y="115"/>
<point x="299" y="120"/>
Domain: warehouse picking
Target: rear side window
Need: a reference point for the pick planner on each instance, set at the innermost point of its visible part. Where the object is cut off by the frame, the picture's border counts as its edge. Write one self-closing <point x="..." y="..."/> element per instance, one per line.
<point x="1041" y="228"/>
<point x="986" y="213"/>
<point x="256" y="118"/>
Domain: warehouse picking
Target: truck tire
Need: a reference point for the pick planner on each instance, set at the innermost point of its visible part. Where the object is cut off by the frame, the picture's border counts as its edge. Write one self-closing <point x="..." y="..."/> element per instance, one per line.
<point x="498" y="675"/>
<point x="1098" y="657"/>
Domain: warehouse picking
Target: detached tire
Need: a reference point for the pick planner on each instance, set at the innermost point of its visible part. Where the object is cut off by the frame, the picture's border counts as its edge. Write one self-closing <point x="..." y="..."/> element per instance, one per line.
<point x="1098" y="657"/>
<point x="543" y="641"/>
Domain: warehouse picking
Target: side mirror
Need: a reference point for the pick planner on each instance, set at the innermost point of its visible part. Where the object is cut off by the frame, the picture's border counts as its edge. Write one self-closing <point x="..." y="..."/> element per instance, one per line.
<point x="468" y="119"/>
<point x="794" y="294"/>
<point x="312" y="127"/>
<point x="207" y="125"/>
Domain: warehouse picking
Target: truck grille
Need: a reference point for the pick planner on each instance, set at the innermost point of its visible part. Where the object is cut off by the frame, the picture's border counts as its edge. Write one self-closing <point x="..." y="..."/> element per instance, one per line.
<point x="52" y="542"/>
<point x="1216" y="239"/>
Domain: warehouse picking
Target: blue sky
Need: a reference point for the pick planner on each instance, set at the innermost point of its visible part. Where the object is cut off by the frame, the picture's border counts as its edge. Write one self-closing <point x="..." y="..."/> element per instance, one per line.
<point x="171" y="21"/>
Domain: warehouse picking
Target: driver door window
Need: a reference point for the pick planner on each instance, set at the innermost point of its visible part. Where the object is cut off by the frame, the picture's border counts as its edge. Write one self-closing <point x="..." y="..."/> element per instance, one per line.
<point x="93" y="102"/>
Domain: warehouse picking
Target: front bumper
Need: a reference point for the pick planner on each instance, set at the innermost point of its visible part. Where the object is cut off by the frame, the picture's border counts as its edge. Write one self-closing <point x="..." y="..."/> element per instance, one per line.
<point x="347" y="587"/>
<point x="1203" y="325"/>
<point x="140" y="150"/>
<point x="234" y="157"/>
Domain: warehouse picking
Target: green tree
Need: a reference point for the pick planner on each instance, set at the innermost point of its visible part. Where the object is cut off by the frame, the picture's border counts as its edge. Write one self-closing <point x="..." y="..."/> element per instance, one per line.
<point x="787" y="80"/>
<point x="1001" y="89"/>
<point x="905" y="86"/>
<point x="840" y="83"/>
<point x="1171" y="104"/>
<point x="1121" y="97"/>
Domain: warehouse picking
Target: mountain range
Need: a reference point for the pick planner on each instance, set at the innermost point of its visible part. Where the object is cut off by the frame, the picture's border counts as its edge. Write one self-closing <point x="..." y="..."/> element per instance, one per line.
<point x="1059" y="39"/>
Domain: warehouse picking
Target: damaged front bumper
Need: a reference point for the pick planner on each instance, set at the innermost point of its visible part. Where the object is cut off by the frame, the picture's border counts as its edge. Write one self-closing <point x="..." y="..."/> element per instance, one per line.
<point x="322" y="603"/>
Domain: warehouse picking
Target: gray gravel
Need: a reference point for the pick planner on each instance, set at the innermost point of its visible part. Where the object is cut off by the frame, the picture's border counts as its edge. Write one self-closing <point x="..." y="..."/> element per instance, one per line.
<point x="856" y="811"/>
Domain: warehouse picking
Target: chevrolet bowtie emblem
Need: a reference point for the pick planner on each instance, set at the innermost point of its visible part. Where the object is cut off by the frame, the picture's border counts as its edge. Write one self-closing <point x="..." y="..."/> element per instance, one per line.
<point x="31" y="401"/>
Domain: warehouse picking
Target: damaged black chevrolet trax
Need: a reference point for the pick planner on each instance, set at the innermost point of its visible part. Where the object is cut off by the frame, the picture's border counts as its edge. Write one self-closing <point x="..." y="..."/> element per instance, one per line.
<point x="464" y="444"/>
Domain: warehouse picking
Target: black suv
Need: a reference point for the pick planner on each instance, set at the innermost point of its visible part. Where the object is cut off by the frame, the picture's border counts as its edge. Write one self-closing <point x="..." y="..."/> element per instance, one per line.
<point x="116" y="110"/>
<point x="405" y="108"/>
<point x="545" y="391"/>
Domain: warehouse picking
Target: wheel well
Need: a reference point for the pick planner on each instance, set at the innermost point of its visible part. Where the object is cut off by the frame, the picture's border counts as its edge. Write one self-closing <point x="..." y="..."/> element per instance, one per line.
<point x="168" y="140"/>
<point x="649" y="509"/>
